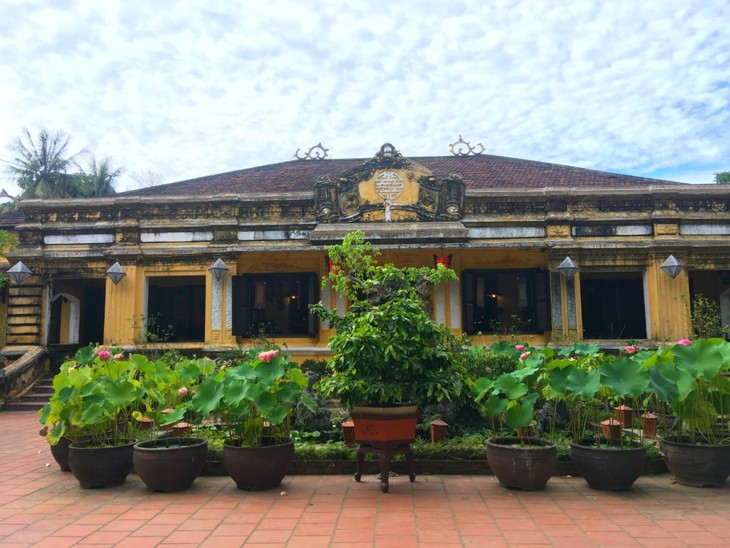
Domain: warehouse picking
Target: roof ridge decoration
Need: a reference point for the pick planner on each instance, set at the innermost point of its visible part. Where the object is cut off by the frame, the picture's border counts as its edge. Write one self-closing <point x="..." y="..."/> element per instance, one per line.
<point x="464" y="148"/>
<point x="388" y="188"/>
<point x="317" y="152"/>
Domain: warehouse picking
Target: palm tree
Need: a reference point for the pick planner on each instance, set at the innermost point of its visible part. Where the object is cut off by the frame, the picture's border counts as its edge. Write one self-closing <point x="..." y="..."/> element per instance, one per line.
<point x="98" y="181"/>
<point x="39" y="165"/>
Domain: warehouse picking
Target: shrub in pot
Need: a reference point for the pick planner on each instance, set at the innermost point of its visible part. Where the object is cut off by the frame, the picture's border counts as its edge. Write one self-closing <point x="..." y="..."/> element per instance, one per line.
<point x="591" y="383"/>
<point x="387" y="351"/>
<point x="692" y="378"/>
<point x="93" y="401"/>
<point x="171" y="462"/>
<point x="167" y="386"/>
<point x="253" y="397"/>
<point x="519" y="461"/>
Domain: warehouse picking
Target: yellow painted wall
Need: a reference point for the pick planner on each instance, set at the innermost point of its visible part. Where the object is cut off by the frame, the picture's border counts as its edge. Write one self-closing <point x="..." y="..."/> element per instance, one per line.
<point x="669" y="305"/>
<point x="667" y="299"/>
<point x="123" y="308"/>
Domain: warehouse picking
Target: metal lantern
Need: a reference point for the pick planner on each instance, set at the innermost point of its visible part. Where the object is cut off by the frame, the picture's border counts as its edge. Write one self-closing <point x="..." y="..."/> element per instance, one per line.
<point x="672" y="266"/>
<point x="568" y="268"/>
<point x="19" y="272"/>
<point x="116" y="273"/>
<point x="218" y="270"/>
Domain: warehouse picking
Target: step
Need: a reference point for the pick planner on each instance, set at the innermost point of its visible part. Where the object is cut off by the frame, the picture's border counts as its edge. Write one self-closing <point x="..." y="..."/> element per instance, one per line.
<point x="33" y="400"/>
<point x="33" y="397"/>
<point x="22" y="406"/>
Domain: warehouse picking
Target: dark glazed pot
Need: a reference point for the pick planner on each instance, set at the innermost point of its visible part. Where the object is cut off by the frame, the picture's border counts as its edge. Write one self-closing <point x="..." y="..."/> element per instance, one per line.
<point x="608" y="469"/>
<point x="522" y="463"/>
<point x="258" y="468"/>
<point x="697" y="465"/>
<point x="170" y="464"/>
<point x="60" y="453"/>
<point x="101" y="466"/>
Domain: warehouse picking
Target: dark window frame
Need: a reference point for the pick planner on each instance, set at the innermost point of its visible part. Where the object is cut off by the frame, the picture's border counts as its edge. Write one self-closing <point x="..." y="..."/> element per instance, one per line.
<point x="537" y="295"/>
<point x="609" y="296"/>
<point x="246" y="325"/>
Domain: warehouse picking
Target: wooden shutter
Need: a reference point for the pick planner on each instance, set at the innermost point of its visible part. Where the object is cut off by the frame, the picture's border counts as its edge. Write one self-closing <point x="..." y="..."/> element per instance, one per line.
<point x="468" y="294"/>
<point x="241" y="306"/>
<point x="542" y="301"/>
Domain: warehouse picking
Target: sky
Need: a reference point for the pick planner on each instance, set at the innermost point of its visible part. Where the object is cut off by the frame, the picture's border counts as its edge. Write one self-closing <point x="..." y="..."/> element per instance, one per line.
<point x="177" y="89"/>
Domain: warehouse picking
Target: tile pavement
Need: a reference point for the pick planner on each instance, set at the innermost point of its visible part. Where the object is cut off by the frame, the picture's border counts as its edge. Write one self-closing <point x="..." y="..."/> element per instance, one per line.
<point x="42" y="506"/>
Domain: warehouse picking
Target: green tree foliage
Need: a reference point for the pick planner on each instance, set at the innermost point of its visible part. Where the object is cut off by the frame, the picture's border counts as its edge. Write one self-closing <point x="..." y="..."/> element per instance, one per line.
<point x="98" y="180"/>
<point x="722" y="178"/>
<point x="43" y="168"/>
<point x="7" y="242"/>
<point x="39" y="165"/>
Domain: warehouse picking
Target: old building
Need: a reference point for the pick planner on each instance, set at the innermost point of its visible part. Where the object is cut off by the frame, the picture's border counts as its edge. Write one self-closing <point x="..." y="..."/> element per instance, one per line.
<point x="506" y="226"/>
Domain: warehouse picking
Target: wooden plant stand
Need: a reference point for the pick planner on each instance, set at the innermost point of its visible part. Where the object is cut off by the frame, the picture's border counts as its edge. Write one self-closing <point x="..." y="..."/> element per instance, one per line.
<point x="384" y="455"/>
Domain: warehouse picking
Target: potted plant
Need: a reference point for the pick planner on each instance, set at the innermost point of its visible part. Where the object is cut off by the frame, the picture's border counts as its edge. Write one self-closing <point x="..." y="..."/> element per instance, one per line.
<point x="388" y="354"/>
<point x="170" y="462"/>
<point x="692" y="378"/>
<point x="94" y="396"/>
<point x="519" y="461"/>
<point x="591" y="384"/>
<point x="253" y="397"/>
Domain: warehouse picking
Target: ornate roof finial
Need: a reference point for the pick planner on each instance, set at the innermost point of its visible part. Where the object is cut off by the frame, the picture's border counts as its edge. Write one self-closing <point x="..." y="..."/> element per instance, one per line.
<point x="464" y="148"/>
<point x="317" y="152"/>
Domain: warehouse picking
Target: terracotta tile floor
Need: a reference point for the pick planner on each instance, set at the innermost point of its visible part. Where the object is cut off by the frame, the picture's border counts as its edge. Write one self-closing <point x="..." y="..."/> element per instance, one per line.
<point x="42" y="506"/>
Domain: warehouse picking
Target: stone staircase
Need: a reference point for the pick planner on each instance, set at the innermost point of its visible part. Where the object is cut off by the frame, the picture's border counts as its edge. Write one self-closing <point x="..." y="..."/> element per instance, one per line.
<point x="33" y="399"/>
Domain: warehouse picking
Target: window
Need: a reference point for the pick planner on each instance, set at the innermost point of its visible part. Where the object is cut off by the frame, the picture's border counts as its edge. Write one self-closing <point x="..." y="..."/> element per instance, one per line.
<point x="176" y="308"/>
<point x="274" y="305"/>
<point x="506" y="301"/>
<point x="613" y="305"/>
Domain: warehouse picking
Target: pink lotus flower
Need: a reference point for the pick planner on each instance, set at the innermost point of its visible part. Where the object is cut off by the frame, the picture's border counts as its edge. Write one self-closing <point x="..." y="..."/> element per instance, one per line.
<point x="631" y="349"/>
<point x="118" y="356"/>
<point x="684" y="342"/>
<point x="267" y="355"/>
<point x="104" y="355"/>
<point x="183" y="391"/>
<point x="525" y="355"/>
<point x="519" y="347"/>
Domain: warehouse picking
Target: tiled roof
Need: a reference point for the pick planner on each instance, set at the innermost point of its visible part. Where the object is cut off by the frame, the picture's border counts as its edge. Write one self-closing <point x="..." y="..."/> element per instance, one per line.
<point x="478" y="172"/>
<point x="11" y="219"/>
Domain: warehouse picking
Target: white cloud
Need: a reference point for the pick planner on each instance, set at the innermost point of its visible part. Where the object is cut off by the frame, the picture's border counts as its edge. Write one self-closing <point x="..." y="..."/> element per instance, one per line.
<point x="186" y="90"/>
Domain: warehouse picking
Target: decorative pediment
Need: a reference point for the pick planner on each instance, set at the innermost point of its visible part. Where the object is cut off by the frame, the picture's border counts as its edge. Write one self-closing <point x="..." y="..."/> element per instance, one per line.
<point x="389" y="188"/>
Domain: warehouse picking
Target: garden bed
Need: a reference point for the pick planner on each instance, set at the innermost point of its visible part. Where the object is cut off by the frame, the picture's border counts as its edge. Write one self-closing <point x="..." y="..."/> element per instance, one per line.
<point x="424" y="467"/>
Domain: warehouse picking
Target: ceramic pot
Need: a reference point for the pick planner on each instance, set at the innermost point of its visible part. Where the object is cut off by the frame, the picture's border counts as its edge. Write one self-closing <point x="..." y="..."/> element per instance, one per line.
<point x="611" y="429"/>
<point x="385" y="427"/>
<point x="696" y="465"/>
<point x="608" y="468"/>
<point x="522" y="463"/>
<point x="170" y="464"/>
<point x="101" y="466"/>
<point x="60" y="453"/>
<point x="258" y="468"/>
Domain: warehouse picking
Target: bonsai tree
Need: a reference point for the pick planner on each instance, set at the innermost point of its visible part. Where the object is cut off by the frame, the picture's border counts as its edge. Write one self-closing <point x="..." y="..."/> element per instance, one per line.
<point x="386" y="348"/>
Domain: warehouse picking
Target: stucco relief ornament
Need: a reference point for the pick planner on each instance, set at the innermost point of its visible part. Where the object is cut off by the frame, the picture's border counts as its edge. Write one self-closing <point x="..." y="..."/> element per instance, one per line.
<point x="317" y="152"/>
<point x="389" y="186"/>
<point x="464" y="148"/>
